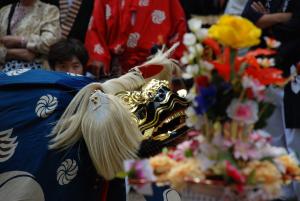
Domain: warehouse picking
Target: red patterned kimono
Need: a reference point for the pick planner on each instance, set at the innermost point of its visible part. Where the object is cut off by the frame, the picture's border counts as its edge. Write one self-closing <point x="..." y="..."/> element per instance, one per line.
<point x="123" y="32"/>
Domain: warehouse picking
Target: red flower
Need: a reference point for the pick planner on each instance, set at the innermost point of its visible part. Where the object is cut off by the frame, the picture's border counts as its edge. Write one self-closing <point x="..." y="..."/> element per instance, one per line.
<point x="214" y="45"/>
<point x="234" y="173"/>
<point x="266" y="76"/>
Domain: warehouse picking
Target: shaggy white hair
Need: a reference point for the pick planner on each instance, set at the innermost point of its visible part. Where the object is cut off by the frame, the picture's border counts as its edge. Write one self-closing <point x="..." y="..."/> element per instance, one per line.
<point x="105" y="122"/>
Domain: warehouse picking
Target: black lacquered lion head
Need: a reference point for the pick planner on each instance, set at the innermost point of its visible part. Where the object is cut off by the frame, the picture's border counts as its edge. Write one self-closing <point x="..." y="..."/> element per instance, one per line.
<point x="159" y="113"/>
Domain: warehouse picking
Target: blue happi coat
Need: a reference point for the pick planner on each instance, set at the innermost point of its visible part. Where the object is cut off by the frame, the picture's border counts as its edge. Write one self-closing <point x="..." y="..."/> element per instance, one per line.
<point x="31" y="102"/>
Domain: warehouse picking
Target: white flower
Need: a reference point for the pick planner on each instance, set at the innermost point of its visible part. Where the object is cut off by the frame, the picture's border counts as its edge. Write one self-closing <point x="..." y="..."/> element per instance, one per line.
<point x="192" y="50"/>
<point x="265" y="62"/>
<point x="191" y="57"/>
<point x="270" y="151"/>
<point x="208" y="66"/>
<point x="184" y="59"/>
<point x="201" y="34"/>
<point x="246" y="112"/>
<point x="199" y="48"/>
<point x="189" y="39"/>
<point x="193" y="120"/>
<point x="194" y="24"/>
<point x="206" y="163"/>
<point x="191" y="71"/>
<point x="192" y="94"/>
<point x="272" y="43"/>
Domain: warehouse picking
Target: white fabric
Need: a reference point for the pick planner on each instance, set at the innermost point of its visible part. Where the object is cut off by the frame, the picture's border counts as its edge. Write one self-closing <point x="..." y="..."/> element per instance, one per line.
<point x="70" y="3"/>
<point x="287" y="138"/>
<point x="235" y="7"/>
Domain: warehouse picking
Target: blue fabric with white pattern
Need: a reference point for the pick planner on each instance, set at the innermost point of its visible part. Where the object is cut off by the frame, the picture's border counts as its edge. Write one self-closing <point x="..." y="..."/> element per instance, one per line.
<point x="31" y="101"/>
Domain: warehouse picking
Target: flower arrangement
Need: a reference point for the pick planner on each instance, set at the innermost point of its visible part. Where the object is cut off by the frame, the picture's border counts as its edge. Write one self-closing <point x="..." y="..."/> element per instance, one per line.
<point x="229" y="107"/>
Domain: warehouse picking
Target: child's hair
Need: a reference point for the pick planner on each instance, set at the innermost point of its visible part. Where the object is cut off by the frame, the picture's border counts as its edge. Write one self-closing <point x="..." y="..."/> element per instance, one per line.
<point x="65" y="50"/>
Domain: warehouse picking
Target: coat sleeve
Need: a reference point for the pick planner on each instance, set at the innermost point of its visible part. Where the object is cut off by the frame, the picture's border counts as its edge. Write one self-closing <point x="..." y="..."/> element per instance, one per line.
<point x="3" y="49"/>
<point x="49" y="34"/>
<point x="179" y="28"/>
<point x="250" y="13"/>
<point x="95" y="40"/>
<point x="291" y="29"/>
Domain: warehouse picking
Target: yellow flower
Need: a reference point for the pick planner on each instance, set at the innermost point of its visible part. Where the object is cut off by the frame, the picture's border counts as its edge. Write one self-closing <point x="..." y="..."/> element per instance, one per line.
<point x="265" y="172"/>
<point x="184" y="170"/>
<point x="162" y="163"/>
<point x="235" y="32"/>
<point x="289" y="164"/>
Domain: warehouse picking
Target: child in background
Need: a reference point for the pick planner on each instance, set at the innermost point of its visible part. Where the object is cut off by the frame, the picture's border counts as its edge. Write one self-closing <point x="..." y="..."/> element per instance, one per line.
<point x="68" y="55"/>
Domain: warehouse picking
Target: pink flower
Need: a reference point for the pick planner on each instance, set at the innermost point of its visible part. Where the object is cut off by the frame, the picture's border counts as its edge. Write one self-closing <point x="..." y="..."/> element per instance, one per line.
<point x="245" y="112"/>
<point x="181" y="149"/>
<point x="139" y="170"/>
<point x="260" y="138"/>
<point x="255" y="86"/>
<point x="244" y="151"/>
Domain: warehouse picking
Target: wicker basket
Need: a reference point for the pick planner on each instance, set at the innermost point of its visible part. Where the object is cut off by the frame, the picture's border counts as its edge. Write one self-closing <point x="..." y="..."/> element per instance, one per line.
<point x="204" y="192"/>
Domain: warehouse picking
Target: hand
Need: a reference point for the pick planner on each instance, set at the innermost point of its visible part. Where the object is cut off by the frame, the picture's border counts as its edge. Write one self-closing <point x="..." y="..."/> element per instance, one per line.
<point x="259" y="7"/>
<point x="21" y="54"/>
<point x="12" y="41"/>
<point x="97" y="68"/>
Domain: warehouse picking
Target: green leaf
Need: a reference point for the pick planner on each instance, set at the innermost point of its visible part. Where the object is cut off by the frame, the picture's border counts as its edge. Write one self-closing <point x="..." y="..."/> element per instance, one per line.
<point x="251" y="178"/>
<point x="227" y="156"/>
<point x="122" y="175"/>
<point x="165" y="150"/>
<point x="188" y="153"/>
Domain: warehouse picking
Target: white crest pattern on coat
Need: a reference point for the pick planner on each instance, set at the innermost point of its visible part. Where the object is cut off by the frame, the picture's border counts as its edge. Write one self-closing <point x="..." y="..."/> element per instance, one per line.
<point x="99" y="49"/>
<point x="46" y="105"/>
<point x="143" y="3"/>
<point x="107" y="11"/>
<point x="8" y="145"/>
<point x="20" y="185"/>
<point x="171" y="195"/>
<point x="66" y="172"/>
<point x="158" y="16"/>
<point x="133" y="40"/>
<point x="17" y="72"/>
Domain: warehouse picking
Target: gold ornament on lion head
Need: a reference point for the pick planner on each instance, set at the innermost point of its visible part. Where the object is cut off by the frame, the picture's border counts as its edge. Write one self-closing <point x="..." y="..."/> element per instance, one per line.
<point x="159" y="113"/>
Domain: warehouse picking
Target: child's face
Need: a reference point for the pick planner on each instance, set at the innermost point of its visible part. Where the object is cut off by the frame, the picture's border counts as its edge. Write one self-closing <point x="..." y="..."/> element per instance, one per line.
<point x="72" y="66"/>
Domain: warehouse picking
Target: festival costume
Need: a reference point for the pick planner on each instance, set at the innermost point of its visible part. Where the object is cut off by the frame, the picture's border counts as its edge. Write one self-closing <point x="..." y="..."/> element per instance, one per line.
<point x="122" y="33"/>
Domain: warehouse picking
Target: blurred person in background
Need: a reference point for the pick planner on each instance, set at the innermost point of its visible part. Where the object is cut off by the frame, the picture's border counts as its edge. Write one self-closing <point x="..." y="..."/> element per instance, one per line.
<point x="123" y="34"/>
<point x="75" y="16"/>
<point x="281" y="19"/>
<point x="203" y="7"/>
<point x="26" y="34"/>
